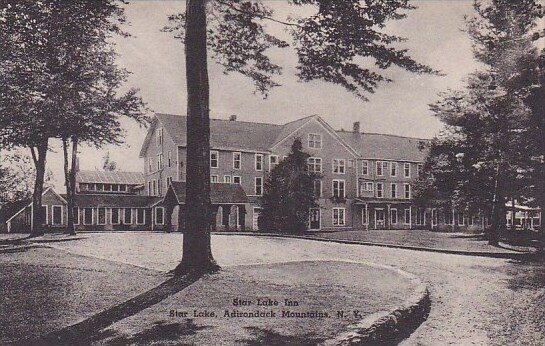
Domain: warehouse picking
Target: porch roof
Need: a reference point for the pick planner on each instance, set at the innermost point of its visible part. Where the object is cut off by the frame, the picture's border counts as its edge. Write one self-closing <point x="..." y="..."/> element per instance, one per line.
<point x="220" y="193"/>
<point x="374" y="200"/>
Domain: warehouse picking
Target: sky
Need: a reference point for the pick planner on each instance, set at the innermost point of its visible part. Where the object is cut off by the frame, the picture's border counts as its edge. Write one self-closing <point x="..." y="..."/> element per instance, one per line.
<point x="156" y="61"/>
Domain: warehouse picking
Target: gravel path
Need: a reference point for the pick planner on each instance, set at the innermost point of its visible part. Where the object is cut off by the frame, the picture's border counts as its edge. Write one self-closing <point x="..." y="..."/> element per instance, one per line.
<point x="475" y="300"/>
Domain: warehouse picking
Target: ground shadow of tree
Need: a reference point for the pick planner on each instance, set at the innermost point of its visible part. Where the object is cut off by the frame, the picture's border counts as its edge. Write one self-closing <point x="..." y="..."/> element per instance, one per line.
<point x="159" y="332"/>
<point x="264" y="336"/>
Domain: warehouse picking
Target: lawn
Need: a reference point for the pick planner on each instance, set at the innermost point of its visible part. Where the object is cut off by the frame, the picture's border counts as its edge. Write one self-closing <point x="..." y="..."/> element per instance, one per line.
<point x="320" y="288"/>
<point x="44" y="289"/>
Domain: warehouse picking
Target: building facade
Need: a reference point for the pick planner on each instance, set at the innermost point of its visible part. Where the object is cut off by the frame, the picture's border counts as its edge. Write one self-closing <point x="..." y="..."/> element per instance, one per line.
<point x="367" y="179"/>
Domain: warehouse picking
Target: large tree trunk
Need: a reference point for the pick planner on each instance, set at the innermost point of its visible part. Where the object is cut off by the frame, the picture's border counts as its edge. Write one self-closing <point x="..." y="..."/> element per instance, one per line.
<point x="197" y="252"/>
<point x="39" y="154"/>
<point x="70" y="182"/>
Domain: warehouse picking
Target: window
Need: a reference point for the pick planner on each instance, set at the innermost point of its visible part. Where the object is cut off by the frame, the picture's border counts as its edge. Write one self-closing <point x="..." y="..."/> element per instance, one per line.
<point x="237" y="180"/>
<point x="339" y="166"/>
<point x="159" y="187"/>
<point x="381" y="167"/>
<point x="420" y="216"/>
<point x="100" y="187"/>
<point x="88" y="216"/>
<point x="366" y="187"/>
<point x="75" y="211"/>
<point x="393" y="216"/>
<point x="258" y="162"/>
<point x="169" y="159"/>
<point x="140" y="216"/>
<point x="150" y="164"/>
<point x="115" y="187"/>
<point x="127" y="216"/>
<point x="419" y="169"/>
<point x="314" y="141"/>
<point x="393" y="190"/>
<point x="471" y="220"/>
<point x="461" y="219"/>
<point x="338" y="216"/>
<point x="159" y="216"/>
<point x="159" y="138"/>
<point x="115" y="216"/>
<point x="407" y="170"/>
<point x="213" y="178"/>
<point x="237" y="160"/>
<point x="154" y="184"/>
<point x="338" y="188"/>
<point x="380" y="190"/>
<point x="214" y="159"/>
<point x="57" y="216"/>
<point x="407" y="216"/>
<point x="393" y="169"/>
<point x="273" y="162"/>
<point x="407" y="191"/>
<point x="259" y="186"/>
<point x="314" y="164"/>
<point x="365" y="167"/>
<point x="169" y="182"/>
<point x="150" y="191"/>
<point x="159" y="161"/>
<point x="101" y="216"/>
<point x="227" y="179"/>
<point x="449" y="217"/>
<point x="122" y="187"/>
<point x="318" y="188"/>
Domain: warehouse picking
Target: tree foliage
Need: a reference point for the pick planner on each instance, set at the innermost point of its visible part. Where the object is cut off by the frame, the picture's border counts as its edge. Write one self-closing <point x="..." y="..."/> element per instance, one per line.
<point x="483" y="157"/>
<point x="289" y="194"/>
<point x="331" y="43"/>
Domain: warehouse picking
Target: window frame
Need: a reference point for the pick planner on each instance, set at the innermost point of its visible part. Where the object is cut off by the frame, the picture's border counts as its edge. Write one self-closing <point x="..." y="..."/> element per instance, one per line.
<point x="217" y="159"/>
<point x="235" y="160"/>
<point x="320" y="192"/>
<point x="338" y="181"/>
<point x="144" y="216"/>
<point x="392" y="212"/>
<point x="393" y="169"/>
<point x="365" y="164"/>
<point x="393" y="190"/>
<point x="315" y="161"/>
<point x="76" y="216"/>
<point x="228" y="179"/>
<point x="260" y="162"/>
<point x="381" y="190"/>
<point x="260" y="185"/>
<point x="408" y="220"/>
<point x="125" y="216"/>
<point x="407" y="191"/>
<point x="112" y="221"/>
<point x="407" y="168"/>
<point x="239" y="179"/>
<point x="273" y="164"/>
<point x="314" y="140"/>
<point x="339" y="165"/>
<point x="169" y="159"/>
<point x="338" y="223"/>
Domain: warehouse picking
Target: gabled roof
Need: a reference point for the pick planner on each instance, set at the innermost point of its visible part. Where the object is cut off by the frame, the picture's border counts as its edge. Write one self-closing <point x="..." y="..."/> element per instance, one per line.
<point x="224" y="134"/>
<point x="106" y="177"/>
<point x="386" y="147"/>
<point x="220" y="193"/>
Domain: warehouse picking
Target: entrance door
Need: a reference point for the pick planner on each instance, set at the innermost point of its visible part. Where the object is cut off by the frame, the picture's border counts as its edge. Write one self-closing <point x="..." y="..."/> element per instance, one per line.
<point x="380" y="218"/>
<point x="314" y="218"/>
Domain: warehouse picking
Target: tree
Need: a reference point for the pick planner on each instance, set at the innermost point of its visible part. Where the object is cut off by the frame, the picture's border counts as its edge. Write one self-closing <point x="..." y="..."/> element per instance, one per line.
<point x="481" y="160"/>
<point x="330" y="45"/>
<point x="289" y="194"/>
<point x="74" y="81"/>
<point x="108" y="164"/>
<point x="16" y="178"/>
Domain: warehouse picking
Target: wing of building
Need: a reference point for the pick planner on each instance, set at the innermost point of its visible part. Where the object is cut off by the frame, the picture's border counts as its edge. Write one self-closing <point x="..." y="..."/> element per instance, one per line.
<point x="367" y="180"/>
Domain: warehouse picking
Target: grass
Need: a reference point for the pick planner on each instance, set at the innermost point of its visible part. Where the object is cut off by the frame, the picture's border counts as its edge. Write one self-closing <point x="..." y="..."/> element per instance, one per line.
<point x="325" y="287"/>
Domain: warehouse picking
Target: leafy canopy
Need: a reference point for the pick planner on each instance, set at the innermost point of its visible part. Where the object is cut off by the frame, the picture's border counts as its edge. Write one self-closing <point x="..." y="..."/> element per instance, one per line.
<point x="331" y="43"/>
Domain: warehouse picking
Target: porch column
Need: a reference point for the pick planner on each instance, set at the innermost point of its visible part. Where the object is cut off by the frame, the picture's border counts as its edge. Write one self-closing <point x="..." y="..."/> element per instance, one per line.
<point x="366" y="211"/>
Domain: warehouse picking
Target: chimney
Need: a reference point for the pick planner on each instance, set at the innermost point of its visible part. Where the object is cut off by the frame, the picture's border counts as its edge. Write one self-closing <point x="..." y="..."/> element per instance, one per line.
<point x="356" y="127"/>
<point x="233" y="117"/>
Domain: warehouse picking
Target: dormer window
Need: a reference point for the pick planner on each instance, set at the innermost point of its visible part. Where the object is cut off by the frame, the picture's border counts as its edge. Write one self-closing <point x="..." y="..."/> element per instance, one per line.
<point x="314" y="141"/>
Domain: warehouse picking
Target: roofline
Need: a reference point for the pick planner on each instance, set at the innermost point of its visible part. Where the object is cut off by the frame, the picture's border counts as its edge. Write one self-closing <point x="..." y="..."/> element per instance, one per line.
<point x="348" y="146"/>
<point x="384" y="134"/>
<point x="147" y="139"/>
<point x="394" y="160"/>
<point x="234" y="149"/>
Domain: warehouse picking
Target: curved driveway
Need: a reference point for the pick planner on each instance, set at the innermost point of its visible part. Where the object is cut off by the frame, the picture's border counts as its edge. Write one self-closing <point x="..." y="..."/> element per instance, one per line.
<point x="475" y="300"/>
